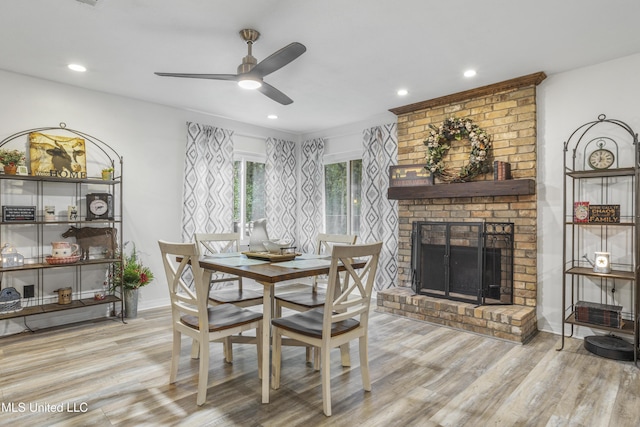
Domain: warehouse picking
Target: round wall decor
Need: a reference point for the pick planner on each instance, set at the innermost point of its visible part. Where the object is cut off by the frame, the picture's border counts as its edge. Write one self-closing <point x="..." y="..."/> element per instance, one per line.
<point x="439" y="142"/>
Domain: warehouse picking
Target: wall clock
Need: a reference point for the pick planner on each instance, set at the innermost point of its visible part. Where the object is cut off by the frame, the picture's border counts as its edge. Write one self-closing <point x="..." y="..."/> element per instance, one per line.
<point x="99" y="206"/>
<point x="601" y="159"/>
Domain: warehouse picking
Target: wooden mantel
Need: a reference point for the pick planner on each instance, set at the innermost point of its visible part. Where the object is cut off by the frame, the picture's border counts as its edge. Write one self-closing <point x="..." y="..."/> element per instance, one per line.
<point x="528" y="80"/>
<point x="509" y="187"/>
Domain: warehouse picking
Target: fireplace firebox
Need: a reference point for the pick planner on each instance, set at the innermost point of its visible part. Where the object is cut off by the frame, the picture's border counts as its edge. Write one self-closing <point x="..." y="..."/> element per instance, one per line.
<point x="463" y="261"/>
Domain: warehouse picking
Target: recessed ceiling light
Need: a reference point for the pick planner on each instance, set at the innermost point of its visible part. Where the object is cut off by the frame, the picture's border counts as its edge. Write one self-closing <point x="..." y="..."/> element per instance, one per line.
<point x="272" y="116"/>
<point x="403" y="92"/>
<point x="470" y="73"/>
<point x="77" y="67"/>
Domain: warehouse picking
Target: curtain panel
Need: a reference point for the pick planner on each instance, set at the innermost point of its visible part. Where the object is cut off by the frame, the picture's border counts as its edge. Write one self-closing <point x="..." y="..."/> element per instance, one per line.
<point x="208" y="181"/>
<point x="281" y="188"/>
<point x="379" y="215"/>
<point x="311" y="194"/>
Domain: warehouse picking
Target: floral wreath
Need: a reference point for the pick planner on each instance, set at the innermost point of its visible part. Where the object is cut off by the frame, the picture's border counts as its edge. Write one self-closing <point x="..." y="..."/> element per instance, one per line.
<point x="438" y="144"/>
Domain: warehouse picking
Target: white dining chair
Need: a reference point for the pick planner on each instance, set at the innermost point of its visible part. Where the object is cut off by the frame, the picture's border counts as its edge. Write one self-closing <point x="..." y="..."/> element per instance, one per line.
<point x="310" y="298"/>
<point x="216" y="244"/>
<point x="344" y="317"/>
<point x="193" y="316"/>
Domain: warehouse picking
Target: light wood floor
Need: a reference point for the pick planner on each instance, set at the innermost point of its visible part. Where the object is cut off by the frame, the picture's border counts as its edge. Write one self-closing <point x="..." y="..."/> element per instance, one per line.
<point x="423" y="375"/>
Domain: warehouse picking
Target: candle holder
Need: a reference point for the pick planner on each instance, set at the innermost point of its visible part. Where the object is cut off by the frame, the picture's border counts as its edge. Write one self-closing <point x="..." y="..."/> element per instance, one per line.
<point x="602" y="262"/>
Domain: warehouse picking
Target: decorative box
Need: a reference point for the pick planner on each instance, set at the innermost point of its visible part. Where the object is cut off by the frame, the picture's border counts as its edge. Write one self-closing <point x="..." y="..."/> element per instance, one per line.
<point x="9" y="300"/>
<point x="409" y="176"/>
<point x="9" y="257"/>
<point x="580" y="211"/>
<point x="599" y="314"/>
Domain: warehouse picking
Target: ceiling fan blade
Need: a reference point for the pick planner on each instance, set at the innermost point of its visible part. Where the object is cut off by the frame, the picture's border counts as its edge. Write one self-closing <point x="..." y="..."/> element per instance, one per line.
<point x="201" y="76"/>
<point x="275" y="94"/>
<point x="279" y="59"/>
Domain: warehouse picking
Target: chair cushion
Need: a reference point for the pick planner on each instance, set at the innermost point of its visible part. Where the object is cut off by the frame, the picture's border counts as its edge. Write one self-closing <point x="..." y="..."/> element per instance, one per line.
<point x="310" y="323"/>
<point x="307" y="299"/>
<point x="232" y="296"/>
<point x="223" y="317"/>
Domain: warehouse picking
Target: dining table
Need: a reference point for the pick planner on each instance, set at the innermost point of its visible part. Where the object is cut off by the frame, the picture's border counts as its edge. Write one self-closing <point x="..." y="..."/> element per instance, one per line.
<point x="267" y="272"/>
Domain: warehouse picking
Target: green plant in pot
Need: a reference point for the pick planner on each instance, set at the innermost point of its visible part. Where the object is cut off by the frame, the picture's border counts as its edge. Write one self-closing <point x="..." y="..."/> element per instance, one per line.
<point x="134" y="276"/>
<point x="11" y="159"/>
<point x="107" y="173"/>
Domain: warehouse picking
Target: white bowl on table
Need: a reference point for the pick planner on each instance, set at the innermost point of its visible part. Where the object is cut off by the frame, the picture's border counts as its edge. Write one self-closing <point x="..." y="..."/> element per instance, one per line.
<point x="276" y="246"/>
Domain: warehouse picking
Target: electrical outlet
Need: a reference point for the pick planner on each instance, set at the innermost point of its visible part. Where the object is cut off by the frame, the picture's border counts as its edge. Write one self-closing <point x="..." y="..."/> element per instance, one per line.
<point x="28" y="291"/>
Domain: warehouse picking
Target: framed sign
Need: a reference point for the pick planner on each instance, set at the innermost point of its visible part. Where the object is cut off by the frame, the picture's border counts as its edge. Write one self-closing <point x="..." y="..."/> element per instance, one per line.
<point x="409" y="176"/>
<point x="604" y="214"/>
<point x="580" y="211"/>
<point x="58" y="156"/>
<point x="18" y="213"/>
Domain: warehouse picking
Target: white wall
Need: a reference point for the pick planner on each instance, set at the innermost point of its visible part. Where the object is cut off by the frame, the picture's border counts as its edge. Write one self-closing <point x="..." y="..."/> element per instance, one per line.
<point x="345" y="142"/>
<point x="565" y="102"/>
<point x="150" y="137"/>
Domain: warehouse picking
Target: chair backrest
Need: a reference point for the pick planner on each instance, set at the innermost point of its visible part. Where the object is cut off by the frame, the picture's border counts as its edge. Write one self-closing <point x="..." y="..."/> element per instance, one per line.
<point x="325" y="244"/>
<point x="184" y="300"/>
<point x="216" y="243"/>
<point x="258" y="235"/>
<point x="349" y="294"/>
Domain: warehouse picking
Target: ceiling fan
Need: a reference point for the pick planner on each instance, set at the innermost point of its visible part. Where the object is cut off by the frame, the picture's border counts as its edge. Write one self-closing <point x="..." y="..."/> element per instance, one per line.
<point x="251" y="73"/>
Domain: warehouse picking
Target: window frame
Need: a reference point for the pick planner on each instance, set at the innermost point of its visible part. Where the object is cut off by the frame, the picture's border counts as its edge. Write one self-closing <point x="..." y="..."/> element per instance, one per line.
<point x="243" y="158"/>
<point x="345" y="157"/>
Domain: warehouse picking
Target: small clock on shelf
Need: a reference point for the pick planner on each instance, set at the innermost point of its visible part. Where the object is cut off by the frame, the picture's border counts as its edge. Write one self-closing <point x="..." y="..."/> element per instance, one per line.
<point x="601" y="158"/>
<point x="99" y="206"/>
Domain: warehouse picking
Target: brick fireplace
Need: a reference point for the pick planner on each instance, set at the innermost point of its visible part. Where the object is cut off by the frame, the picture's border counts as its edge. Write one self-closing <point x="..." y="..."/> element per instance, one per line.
<point x="507" y="112"/>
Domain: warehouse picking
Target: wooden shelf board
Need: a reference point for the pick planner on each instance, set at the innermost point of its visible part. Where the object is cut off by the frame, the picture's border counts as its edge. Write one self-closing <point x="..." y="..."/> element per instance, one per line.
<point x="509" y="187"/>
<point x="50" y="308"/>
<point x="605" y="173"/>
<point x="627" y="325"/>
<point x="602" y="224"/>
<point x="88" y="180"/>
<point x="615" y="274"/>
<point x="38" y="265"/>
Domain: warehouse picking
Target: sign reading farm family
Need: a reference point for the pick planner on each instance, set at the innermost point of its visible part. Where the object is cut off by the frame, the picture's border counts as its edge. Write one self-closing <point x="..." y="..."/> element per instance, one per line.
<point x="57" y="156"/>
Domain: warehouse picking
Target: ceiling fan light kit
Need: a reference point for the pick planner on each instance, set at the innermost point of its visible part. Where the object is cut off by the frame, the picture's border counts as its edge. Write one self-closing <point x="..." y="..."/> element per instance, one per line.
<point x="249" y="83"/>
<point x="250" y="72"/>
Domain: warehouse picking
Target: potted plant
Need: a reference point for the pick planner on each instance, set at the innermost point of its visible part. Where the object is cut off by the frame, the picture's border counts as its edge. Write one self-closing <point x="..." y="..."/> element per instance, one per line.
<point x="107" y="173"/>
<point x="11" y="159"/>
<point x="134" y="276"/>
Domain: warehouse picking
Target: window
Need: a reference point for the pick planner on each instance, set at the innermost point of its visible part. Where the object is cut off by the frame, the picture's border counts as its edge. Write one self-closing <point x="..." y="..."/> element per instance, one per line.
<point x="343" y="188"/>
<point x="249" y="198"/>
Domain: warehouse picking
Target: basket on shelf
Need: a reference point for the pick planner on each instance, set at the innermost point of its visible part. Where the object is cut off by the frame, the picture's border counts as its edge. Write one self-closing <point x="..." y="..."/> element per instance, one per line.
<point x="9" y="300"/>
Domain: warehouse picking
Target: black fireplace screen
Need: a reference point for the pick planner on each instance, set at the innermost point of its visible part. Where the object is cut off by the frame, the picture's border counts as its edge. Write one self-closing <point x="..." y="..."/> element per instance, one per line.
<point x="465" y="261"/>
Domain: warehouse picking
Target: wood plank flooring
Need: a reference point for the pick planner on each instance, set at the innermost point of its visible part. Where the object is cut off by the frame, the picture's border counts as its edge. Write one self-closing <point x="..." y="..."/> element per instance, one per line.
<point x="110" y="374"/>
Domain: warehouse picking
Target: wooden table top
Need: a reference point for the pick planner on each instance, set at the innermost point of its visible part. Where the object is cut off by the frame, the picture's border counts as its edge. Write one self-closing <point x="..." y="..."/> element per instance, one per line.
<point x="268" y="273"/>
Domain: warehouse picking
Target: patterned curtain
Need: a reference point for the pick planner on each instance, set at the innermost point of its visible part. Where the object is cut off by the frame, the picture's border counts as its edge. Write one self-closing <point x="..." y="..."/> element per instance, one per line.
<point x="208" y="181"/>
<point x="312" y="189"/>
<point x="379" y="215"/>
<point x="280" y="189"/>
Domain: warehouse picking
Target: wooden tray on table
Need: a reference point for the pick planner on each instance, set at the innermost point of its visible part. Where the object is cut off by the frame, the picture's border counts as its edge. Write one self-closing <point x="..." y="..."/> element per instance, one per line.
<point x="268" y="256"/>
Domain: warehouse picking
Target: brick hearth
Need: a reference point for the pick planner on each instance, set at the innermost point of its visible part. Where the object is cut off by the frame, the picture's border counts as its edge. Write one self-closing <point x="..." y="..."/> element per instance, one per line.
<point x="510" y="322"/>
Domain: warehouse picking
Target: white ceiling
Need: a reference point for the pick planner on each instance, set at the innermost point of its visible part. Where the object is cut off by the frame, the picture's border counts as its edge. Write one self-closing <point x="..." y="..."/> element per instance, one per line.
<point x="359" y="52"/>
